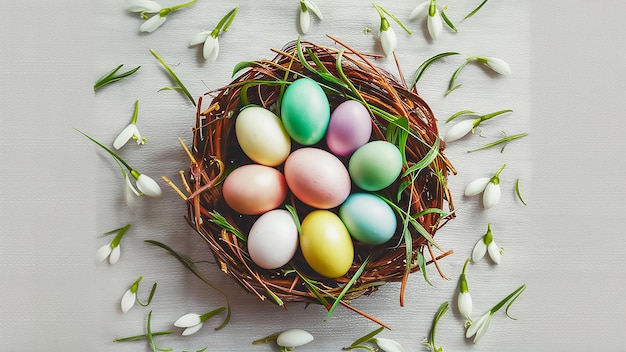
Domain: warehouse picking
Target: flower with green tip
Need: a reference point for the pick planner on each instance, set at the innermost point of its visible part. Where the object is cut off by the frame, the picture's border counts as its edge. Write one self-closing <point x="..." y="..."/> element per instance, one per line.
<point x="479" y="327"/>
<point x="307" y="6"/>
<point x="488" y="186"/>
<point x="388" y="38"/>
<point x="112" y="249"/>
<point x="131" y="131"/>
<point x="144" y="7"/>
<point x="486" y="244"/>
<point x="388" y="345"/>
<point x="464" y="300"/>
<point x="464" y="127"/>
<point x="428" y="9"/>
<point x="193" y="322"/>
<point x="130" y="296"/>
<point x="211" y="47"/>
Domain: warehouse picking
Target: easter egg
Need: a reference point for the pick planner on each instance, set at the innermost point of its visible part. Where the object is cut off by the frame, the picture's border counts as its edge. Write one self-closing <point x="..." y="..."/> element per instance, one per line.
<point x="326" y="244"/>
<point x="350" y="127"/>
<point x="273" y="239"/>
<point x="254" y="189"/>
<point x="262" y="136"/>
<point x="375" y="165"/>
<point x="317" y="178"/>
<point x="368" y="218"/>
<point x="305" y="111"/>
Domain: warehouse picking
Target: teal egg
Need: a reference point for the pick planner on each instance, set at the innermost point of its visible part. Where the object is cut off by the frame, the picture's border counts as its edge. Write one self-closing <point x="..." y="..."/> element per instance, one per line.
<point x="368" y="218"/>
<point x="375" y="165"/>
<point x="305" y="111"/>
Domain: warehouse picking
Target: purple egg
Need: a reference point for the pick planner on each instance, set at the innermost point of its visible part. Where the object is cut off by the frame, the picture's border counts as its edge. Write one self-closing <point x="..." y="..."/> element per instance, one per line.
<point x="350" y="127"/>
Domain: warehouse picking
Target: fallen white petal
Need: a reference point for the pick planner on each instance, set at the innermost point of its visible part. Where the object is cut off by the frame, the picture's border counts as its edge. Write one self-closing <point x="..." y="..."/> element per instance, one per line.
<point x="152" y="23"/>
<point x="125" y="136"/>
<point x="420" y="11"/>
<point x="388" y="40"/>
<point x="115" y="255"/>
<point x="480" y="248"/>
<point x="211" y="49"/>
<point x="491" y="196"/>
<point x="477" y="186"/>
<point x="494" y="252"/>
<point x="294" y="338"/>
<point x="148" y="186"/>
<point x="199" y="38"/>
<point x="388" y="345"/>
<point x="143" y="6"/>
<point x="499" y="65"/>
<point x="465" y="304"/>
<point x="187" y="320"/>
<point x="192" y="329"/>
<point x="305" y="21"/>
<point x="435" y="25"/>
<point x="103" y="252"/>
<point x="459" y="130"/>
<point x="128" y="300"/>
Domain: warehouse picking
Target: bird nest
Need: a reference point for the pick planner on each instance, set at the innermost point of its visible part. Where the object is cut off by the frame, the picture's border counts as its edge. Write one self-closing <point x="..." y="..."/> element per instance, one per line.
<point x="399" y="115"/>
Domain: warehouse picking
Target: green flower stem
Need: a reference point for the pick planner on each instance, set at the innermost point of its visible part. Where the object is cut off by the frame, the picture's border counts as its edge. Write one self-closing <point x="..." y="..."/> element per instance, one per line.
<point x="475" y="10"/>
<point x="115" y="156"/>
<point x="463" y="280"/>
<point x="495" y="179"/>
<point x="133" y="120"/>
<point x="142" y="336"/>
<point x="432" y="8"/>
<point x="118" y="237"/>
<point x="486" y="117"/>
<point x="443" y="309"/>
<point x="500" y="141"/>
<point x="225" y="22"/>
<point x="513" y="296"/>
<point x="164" y="12"/>
<point x="204" y="317"/>
<point x="174" y="77"/>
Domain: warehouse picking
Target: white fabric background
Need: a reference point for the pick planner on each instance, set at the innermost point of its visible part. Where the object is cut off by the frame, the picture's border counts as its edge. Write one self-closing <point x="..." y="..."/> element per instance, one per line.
<point x="59" y="193"/>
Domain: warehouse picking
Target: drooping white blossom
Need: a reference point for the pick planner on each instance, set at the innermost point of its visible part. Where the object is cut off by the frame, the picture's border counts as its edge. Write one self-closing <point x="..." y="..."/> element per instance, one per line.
<point x="486" y="244"/>
<point x="388" y="345"/>
<point x="293" y="338"/>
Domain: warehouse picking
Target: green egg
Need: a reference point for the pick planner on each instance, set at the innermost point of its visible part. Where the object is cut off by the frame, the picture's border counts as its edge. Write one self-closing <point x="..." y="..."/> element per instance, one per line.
<point x="375" y="165"/>
<point x="305" y="111"/>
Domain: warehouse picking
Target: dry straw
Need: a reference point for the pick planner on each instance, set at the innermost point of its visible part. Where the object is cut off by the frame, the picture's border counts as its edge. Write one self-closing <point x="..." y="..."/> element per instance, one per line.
<point x="399" y="115"/>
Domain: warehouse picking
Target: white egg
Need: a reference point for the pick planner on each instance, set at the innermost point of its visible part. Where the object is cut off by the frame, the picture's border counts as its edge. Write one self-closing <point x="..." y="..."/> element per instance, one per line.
<point x="273" y="239"/>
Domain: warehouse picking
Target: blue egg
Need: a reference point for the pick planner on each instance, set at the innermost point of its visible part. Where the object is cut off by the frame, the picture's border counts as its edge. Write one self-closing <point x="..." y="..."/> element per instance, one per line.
<point x="368" y="218"/>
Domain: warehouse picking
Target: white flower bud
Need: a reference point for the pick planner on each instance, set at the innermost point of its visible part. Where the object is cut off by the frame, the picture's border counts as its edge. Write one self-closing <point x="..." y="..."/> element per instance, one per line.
<point x="294" y="338"/>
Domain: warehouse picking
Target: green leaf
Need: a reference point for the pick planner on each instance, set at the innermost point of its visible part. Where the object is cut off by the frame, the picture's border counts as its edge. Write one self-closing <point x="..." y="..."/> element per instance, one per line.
<point x="519" y="196"/>
<point x="421" y="261"/>
<point x="420" y="70"/>
<point x="294" y="215"/>
<point x="367" y="337"/>
<point x="451" y="86"/>
<point x="426" y="160"/>
<point x="345" y="289"/>
<point x="174" y="77"/>
<point x="447" y="21"/>
<point x="242" y="65"/>
<point x="112" y="77"/>
<point x="221" y="221"/>
<point x="500" y="141"/>
<point x="475" y="10"/>
<point x="154" y="287"/>
<point x="459" y="113"/>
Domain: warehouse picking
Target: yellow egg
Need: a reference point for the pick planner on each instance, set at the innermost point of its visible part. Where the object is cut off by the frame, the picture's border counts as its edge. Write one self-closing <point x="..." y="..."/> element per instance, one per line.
<point x="326" y="244"/>
<point x="262" y="136"/>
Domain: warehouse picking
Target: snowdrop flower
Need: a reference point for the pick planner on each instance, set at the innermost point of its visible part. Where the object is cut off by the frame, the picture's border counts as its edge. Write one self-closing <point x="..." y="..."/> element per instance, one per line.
<point x="479" y="327"/>
<point x="486" y="244"/>
<point x="293" y="338"/>
<point x="145" y="7"/>
<point x="488" y="186"/>
<point x="111" y="250"/>
<point x="497" y="65"/>
<point x="193" y="322"/>
<point x="465" y="299"/>
<point x="131" y="131"/>
<point x="307" y="6"/>
<point x="211" y="46"/>
<point x="388" y="38"/>
<point x="428" y="9"/>
<point x="130" y="296"/>
<point x="464" y="127"/>
<point x="388" y="345"/>
<point x="146" y="185"/>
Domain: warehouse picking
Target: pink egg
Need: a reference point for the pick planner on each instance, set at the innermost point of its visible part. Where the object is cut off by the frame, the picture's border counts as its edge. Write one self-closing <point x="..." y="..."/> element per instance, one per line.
<point x="317" y="178"/>
<point x="254" y="189"/>
<point x="350" y="127"/>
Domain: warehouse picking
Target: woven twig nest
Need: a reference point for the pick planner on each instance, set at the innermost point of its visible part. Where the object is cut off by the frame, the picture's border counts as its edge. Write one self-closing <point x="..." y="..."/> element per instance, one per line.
<point x="216" y="151"/>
